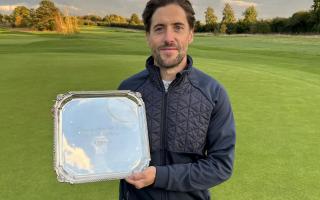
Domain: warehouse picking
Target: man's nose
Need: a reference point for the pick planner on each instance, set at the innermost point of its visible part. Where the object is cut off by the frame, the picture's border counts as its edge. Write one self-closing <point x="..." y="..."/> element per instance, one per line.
<point x="169" y="36"/>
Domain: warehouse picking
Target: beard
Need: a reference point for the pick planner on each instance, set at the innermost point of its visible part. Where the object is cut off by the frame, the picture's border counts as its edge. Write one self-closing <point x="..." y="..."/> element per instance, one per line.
<point x="168" y="63"/>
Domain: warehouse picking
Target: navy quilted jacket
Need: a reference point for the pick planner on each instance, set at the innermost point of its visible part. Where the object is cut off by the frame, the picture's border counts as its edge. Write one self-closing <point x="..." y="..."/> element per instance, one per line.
<point x="191" y="132"/>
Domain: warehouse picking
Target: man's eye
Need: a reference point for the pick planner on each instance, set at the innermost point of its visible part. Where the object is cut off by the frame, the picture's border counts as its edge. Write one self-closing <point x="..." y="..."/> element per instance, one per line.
<point x="159" y="29"/>
<point x="178" y="28"/>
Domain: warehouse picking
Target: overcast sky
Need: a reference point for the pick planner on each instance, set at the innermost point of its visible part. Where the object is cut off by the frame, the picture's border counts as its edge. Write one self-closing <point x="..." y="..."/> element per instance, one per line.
<point x="266" y="8"/>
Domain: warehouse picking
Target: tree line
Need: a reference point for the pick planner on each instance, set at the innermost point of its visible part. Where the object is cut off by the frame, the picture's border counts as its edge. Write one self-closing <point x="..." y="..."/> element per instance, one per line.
<point x="113" y="20"/>
<point x="299" y="22"/>
<point x="49" y="17"/>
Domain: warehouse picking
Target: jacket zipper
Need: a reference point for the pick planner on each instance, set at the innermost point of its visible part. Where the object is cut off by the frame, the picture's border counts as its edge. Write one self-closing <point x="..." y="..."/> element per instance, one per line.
<point x="163" y="128"/>
<point x="163" y="141"/>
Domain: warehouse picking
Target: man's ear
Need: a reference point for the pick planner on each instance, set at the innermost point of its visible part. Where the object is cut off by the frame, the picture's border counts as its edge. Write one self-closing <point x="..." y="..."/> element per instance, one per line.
<point x="148" y="38"/>
<point x="191" y="36"/>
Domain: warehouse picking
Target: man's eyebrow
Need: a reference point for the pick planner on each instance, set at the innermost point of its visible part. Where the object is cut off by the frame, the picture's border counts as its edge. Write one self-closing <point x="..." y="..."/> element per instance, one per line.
<point x="179" y="24"/>
<point x="175" y="24"/>
<point x="157" y="25"/>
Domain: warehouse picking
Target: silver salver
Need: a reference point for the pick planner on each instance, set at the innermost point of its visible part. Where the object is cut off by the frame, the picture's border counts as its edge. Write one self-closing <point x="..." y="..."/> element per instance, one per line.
<point x="99" y="135"/>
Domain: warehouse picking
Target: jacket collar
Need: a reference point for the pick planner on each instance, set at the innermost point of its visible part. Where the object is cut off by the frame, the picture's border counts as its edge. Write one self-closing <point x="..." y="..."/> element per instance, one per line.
<point x="155" y="76"/>
<point x="153" y="68"/>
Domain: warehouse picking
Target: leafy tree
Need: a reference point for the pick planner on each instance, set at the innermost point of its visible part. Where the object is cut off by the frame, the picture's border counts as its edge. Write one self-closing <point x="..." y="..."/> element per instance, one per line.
<point x="2" y="19"/>
<point x="228" y="15"/>
<point x="263" y="26"/>
<point x="228" y="20"/>
<point x="21" y="17"/>
<point x="250" y="15"/>
<point x="33" y="16"/>
<point x="7" y="20"/>
<point x="315" y="16"/>
<point x="299" y="22"/>
<point x="279" y="25"/>
<point x="211" y="19"/>
<point x="134" y="20"/>
<point x="90" y="19"/>
<point x="223" y="28"/>
<point x="242" y="26"/>
<point x="316" y="28"/>
<point x="316" y="5"/>
<point x="248" y="24"/>
<point x="66" y="24"/>
<point x="199" y="27"/>
<point x="114" y="19"/>
<point x="45" y="15"/>
<point x="94" y="18"/>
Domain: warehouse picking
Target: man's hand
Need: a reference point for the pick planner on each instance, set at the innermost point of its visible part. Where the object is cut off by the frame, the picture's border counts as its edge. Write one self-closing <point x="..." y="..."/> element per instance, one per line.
<point x="143" y="179"/>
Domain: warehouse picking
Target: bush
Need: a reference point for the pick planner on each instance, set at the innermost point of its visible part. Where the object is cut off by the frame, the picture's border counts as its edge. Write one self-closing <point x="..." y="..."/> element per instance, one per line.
<point x="263" y="26"/>
<point x="300" y="23"/>
<point x="279" y="25"/>
<point x="316" y="28"/>
<point x="121" y="25"/>
<point x="242" y="27"/>
<point x="199" y="27"/>
<point x="210" y="27"/>
<point x="223" y="28"/>
<point x="66" y="25"/>
<point x="231" y="28"/>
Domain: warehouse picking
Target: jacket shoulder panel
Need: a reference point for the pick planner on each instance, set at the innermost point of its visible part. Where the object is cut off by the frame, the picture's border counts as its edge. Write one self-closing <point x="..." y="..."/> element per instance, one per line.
<point x="208" y="86"/>
<point x="135" y="81"/>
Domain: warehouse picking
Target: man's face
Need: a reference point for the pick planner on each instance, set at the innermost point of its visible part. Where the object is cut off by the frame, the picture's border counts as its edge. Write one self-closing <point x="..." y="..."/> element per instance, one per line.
<point x="169" y="36"/>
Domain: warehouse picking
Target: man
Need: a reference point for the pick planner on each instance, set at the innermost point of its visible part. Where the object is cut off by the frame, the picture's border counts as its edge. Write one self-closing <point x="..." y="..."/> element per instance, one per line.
<point x="190" y="121"/>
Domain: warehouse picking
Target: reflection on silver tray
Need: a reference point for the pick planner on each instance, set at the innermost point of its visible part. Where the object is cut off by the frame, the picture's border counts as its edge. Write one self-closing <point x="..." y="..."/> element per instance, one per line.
<point x="99" y="136"/>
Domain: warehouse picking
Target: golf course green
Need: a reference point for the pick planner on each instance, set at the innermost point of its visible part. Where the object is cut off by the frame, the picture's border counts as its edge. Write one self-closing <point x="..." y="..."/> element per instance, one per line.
<point x="273" y="82"/>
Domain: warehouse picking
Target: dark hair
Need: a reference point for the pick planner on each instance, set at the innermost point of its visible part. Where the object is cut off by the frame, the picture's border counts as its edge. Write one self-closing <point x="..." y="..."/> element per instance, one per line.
<point x="153" y="5"/>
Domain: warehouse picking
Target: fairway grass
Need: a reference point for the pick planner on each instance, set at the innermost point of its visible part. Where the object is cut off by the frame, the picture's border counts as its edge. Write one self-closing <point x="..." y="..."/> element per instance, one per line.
<point x="273" y="83"/>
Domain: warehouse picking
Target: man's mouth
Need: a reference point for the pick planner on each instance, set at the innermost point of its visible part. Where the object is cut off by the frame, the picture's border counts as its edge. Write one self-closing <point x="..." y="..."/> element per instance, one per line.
<point x="168" y="49"/>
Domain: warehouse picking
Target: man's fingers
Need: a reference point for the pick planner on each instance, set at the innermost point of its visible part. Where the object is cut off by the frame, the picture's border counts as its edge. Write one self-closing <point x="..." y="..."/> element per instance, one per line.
<point x="142" y="179"/>
<point x="139" y="184"/>
<point x="137" y="176"/>
<point x="134" y="178"/>
<point x="136" y="183"/>
<point x="130" y="180"/>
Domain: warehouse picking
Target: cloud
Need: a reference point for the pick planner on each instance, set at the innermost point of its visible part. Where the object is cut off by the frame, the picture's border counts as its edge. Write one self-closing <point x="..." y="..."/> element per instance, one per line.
<point x="240" y="3"/>
<point x="76" y="156"/>
<point x="67" y="7"/>
<point x="62" y="7"/>
<point x="8" y="8"/>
